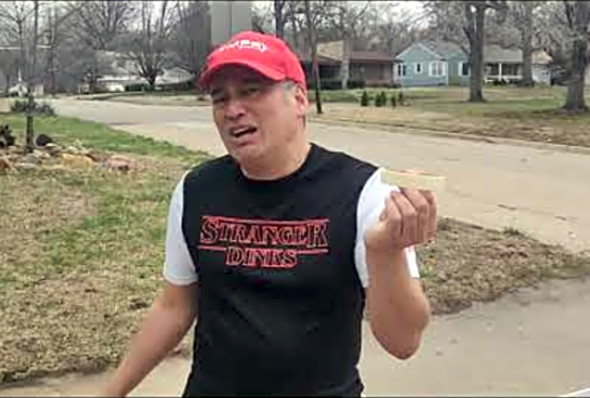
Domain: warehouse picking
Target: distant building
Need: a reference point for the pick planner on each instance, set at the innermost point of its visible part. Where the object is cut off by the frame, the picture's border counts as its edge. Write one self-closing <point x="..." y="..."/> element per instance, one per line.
<point x="11" y="81"/>
<point x="441" y="63"/>
<point x="229" y="18"/>
<point x="366" y="68"/>
<point x="119" y="74"/>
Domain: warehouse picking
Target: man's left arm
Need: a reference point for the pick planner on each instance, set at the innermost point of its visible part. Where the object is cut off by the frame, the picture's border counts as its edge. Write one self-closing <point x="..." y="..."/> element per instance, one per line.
<point x="397" y="307"/>
<point x="398" y="310"/>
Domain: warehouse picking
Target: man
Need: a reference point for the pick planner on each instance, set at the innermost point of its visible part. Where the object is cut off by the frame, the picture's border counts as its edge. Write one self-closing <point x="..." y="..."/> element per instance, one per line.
<point x="276" y="248"/>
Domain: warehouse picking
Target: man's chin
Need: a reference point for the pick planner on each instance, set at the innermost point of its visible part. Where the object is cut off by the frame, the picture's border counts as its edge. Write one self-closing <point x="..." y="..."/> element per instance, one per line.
<point x="246" y="154"/>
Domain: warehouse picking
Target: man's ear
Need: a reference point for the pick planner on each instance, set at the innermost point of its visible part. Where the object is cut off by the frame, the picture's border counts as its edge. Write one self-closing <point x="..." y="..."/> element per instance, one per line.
<point x="301" y="101"/>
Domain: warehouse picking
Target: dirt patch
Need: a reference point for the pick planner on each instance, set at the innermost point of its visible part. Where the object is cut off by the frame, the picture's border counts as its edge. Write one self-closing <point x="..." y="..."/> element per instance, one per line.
<point x="469" y="263"/>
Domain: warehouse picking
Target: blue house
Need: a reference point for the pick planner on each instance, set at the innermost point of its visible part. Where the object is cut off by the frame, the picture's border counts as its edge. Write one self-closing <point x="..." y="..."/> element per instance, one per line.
<point x="442" y="63"/>
<point x="432" y="63"/>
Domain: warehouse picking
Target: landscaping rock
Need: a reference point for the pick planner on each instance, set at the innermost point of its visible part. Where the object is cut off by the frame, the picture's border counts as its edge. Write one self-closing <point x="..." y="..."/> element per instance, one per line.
<point x="14" y="149"/>
<point x="118" y="163"/>
<point x="43" y="140"/>
<point x="77" y="161"/>
<point x="30" y="158"/>
<point x="72" y="150"/>
<point x="5" y="164"/>
<point x="41" y="155"/>
<point x="6" y="137"/>
<point x="26" y="166"/>
<point x="54" y="149"/>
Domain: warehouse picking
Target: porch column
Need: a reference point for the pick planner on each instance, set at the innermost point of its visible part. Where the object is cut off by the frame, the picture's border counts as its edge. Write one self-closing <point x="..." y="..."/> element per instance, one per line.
<point x="500" y="70"/>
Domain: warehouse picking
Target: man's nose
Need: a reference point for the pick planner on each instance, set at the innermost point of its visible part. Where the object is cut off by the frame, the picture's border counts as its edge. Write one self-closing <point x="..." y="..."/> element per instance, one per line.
<point x="234" y="108"/>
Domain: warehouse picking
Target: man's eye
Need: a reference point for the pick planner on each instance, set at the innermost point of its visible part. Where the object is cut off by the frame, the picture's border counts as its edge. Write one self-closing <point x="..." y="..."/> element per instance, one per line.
<point x="219" y="99"/>
<point x="251" y="90"/>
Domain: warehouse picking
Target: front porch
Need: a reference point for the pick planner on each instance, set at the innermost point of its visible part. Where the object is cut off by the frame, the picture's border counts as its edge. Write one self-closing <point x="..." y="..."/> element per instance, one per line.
<point x="499" y="71"/>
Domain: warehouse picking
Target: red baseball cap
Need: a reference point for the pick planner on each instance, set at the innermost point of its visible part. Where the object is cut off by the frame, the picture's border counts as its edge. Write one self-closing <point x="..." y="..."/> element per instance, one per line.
<point x="266" y="54"/>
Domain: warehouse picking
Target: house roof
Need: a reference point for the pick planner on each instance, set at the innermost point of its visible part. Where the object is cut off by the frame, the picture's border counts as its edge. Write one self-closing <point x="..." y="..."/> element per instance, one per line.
<point x="495" y="53"/>
<point x="370" y="56"/>
<point x="444" y="49"/>
<point x="305" y="56"/>
<point x="330" y="54"/>
<point x="492" y="52"/>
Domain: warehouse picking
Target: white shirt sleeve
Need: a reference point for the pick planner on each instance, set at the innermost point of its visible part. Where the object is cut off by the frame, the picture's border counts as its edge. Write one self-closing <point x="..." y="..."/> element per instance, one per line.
<point x="371" y="203"/>
<point x="178" y="267"/>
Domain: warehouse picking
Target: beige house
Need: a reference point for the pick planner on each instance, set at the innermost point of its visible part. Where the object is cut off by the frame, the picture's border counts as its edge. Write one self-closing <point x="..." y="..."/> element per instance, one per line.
<point x="366" y="68"/>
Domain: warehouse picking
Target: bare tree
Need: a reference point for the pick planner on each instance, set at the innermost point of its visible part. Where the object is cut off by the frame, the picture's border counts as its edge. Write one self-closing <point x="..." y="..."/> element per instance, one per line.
<point x="148" y="46"/>
<point x="191" y="36"/>
<point x="16" y="21"/>
<point x="312" y="38"/>
<point x="9" y="65"/>
<point x="280" y="17"/>
<point x="523" y="14"/>
<point x="475" y="12"/>
<point x="32" y="80"/>
<point x="97" y="24"/>
<point x="578" y="19"/>
<point x="466" y="20"/>
<point x="344" y="18"/>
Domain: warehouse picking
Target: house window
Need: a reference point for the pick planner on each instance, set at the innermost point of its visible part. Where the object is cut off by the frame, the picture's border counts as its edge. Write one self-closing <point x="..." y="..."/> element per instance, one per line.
<point x="437" y="68"/>
<point x="510" y="69"/>
<point x="464" y="68"/>
<point x="401" y="69"/>
<point x="418" y="68"/>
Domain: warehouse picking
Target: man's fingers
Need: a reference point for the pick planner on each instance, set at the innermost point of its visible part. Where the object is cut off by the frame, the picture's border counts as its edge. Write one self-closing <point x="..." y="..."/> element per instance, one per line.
<point x="422" y="207"/>
<point x="433" y="217"/>
<point x="392" y="218"/>
<point x="409" y="218"/>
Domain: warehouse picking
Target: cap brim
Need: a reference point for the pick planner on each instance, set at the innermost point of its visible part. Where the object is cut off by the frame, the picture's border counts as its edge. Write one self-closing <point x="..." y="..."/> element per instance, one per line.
<point x="270" y="73"/>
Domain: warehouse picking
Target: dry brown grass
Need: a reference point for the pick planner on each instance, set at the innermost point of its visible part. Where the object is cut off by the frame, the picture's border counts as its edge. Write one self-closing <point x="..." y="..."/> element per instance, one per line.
<point x="469" y="263"/>
<point x="80" y="262"/>
<point x="524" y="114"/>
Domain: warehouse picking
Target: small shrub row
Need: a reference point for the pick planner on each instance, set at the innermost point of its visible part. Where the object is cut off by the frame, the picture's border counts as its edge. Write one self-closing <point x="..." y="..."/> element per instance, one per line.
<point x="44" y="108"/>
<point x="382" y="100"/>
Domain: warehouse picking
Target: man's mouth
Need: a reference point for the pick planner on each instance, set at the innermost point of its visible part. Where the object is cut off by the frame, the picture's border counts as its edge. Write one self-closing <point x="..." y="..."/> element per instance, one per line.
<point x="241" y="131"/>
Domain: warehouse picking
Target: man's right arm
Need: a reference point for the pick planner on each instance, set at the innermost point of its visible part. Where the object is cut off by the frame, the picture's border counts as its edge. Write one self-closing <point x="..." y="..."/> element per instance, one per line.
<point x="163" y="327"/>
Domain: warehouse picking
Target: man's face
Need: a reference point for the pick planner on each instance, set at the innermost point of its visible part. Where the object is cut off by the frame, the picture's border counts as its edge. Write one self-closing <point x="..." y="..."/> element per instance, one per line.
<point x="256" y="117"/>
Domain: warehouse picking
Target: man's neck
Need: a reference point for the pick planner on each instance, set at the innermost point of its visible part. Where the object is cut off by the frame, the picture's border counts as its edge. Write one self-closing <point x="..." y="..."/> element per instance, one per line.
<point x="281" y="165"/>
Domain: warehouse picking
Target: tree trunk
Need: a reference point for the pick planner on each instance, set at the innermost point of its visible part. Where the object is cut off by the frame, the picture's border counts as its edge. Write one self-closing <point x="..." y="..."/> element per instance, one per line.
<point x="345" y="67"/>
<point x="314" y="57"/>
<point x="575" y="89"/>
<point x="30" y="128"/>
<point x="476" y="55"/>
<point x="579" y="59"/>
<point x="527" y="46"/>
<point x="279" y="18"/>
<point x="293" y="15"/>
<point x="152" y="83"/>
<point x="7" y="87"/>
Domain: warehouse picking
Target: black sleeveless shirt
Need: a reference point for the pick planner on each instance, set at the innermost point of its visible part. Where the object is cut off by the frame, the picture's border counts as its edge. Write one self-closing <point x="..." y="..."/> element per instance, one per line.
<point x="280" y="302"/>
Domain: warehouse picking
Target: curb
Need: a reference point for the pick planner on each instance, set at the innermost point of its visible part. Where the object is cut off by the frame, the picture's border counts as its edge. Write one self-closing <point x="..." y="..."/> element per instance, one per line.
<point x="460" y="136"/>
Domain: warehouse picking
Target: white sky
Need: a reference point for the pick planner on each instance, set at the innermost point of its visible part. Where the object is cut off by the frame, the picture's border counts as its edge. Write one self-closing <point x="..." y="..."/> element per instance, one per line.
<point x="403" y="7"/>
